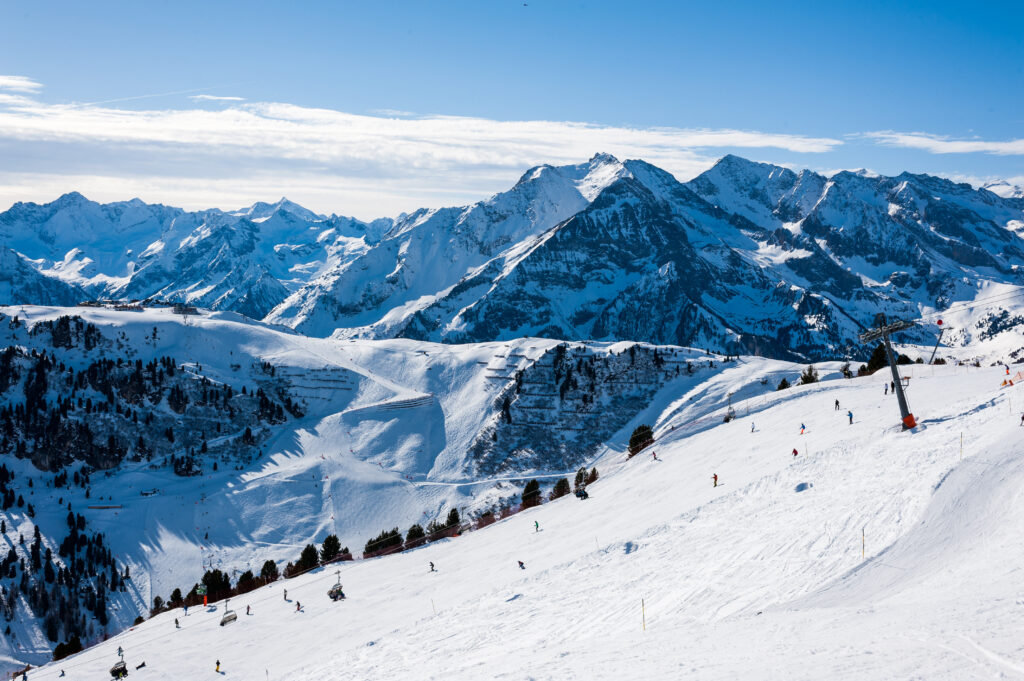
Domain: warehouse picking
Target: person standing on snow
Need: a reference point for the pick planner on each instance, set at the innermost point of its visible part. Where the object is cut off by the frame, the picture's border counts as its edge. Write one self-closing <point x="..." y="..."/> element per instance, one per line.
<point x="217" y="669"/>
<point x="298" y="606"/>
<point x="751" y="426"/>
<point x="892" y="385"/>
<point x="176" y="625"/>
<point x="837" y="405"/>
<point x="536" y="526"/>
<point x="286" y="594"/>
<point x="654" y="455"/>
<point x="850" y="414"/>
<point x="714" y="479"/>
<point x="886" y="388"/>
<point x="802" y="428"/>
<point x="432" y="566"/>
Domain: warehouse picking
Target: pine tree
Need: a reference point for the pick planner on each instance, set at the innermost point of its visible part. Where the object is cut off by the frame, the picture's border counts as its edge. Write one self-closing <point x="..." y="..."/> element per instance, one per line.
<point x="268" y="572"/>
<point x="810" y="375"/>
<point x="453" y="518"/>
<point x="330" y="548"/>
<point x="642" y="437"/>
<point x="415" y="536"/>
<point x="783" y="384"/>
<point x="531" y="494"/>
<point x="878" y="359"/>
<point x="561" y="489"/>
<point x="309" y="558"/>
<point x="581" y="478"/>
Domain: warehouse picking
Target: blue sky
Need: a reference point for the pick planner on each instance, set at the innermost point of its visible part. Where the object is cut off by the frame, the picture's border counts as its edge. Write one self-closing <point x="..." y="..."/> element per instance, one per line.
<point x="347" y="107"/>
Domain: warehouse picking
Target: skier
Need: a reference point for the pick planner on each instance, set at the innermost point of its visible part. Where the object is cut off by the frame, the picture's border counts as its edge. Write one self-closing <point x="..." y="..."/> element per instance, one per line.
<point x="521" y="566"/>
<point x="176" y="625"/>
<point x="850" y="414"/>
<point x="714" y="478"/>
<point x="795" y="452"/>
<point x="247" y="609"/>
<point x="286" y="594"/>
<point x="837" y="405"/>
<point x="218" y="667"/>
<point x="536" y="526"/>
<point x="432" y="566"/>
<point x="802" y="428"/>
<point x="298" y="606"/>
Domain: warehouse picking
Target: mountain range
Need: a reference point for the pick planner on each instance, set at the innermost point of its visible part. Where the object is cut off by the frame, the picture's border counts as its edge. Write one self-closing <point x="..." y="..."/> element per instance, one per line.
<point x="745" y="258"/>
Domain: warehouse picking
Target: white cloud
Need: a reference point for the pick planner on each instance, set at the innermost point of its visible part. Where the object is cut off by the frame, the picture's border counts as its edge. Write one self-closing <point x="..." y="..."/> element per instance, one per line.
<point x="215" y="98"/>
<point x="19" y="84"/>
<point x="392" y="112"/>
<point x="399" y="162"/>
<point x="938" y="144"/>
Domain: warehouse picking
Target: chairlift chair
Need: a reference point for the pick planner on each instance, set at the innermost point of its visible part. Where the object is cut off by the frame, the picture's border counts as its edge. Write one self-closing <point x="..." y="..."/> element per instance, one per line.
<point x="229" y="617"/>
<point x="335" y="593"/>
<point x="119" y="670"/>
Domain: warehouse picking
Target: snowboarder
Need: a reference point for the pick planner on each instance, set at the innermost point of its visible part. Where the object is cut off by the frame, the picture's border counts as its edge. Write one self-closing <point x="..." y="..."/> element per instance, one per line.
<point x="432" y="566"/>
<point x="217" y="669"/>
<point x="714" y="479"/>
<point x="521" y="566"/>
<point x="795" y="452"/>
<point x="536" y="526"/>
<point x="802" y="428"/>
<point x="850" y="414"/>
<point x="61" y="673"/>
<point x="176" y="625"/>
<point x="837" y="405"/>
<point x="654" y="455"/>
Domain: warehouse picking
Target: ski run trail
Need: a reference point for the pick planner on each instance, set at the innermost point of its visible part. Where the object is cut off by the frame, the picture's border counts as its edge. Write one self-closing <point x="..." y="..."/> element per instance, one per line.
<point x="661" y="575"/>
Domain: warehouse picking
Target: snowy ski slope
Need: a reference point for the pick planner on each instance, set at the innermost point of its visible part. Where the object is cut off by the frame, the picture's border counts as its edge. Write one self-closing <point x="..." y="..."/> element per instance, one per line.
<point x="754" y="579"/>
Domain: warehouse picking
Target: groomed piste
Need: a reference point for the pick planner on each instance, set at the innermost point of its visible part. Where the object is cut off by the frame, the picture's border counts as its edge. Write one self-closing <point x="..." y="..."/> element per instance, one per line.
<point x="873" y="553"/>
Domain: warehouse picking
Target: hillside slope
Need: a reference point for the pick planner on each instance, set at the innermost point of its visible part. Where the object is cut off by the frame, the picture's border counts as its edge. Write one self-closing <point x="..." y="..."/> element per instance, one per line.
<point x="760" y="577"/>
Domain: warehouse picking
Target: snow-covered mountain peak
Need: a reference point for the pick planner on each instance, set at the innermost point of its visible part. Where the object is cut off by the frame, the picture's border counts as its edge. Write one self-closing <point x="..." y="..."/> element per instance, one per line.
<point x="262" y="210"/>
<point x="1004" y="189"/>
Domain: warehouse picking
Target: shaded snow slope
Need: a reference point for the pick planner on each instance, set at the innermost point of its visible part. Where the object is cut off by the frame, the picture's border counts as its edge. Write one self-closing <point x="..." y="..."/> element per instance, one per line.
<point x="761" y="577"/>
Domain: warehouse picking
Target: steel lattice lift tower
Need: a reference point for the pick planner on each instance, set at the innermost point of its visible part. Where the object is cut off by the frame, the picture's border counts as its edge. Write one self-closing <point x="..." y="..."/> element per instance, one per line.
<point x="882" y="330"/>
